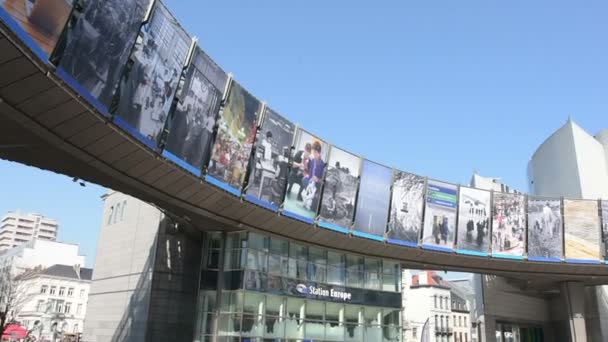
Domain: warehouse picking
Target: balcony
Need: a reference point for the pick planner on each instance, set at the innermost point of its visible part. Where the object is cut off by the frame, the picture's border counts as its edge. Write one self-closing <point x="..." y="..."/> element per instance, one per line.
<point x="443" y="331"/>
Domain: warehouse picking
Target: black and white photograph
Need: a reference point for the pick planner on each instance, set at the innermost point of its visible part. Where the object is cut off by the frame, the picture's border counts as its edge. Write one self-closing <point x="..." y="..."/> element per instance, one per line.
<point x="440" y="214"/>
<point x="582" y="234"/>
<point x="147" y="88"/>
<point x="373" y="200"/>
<point x="237" y="127"/>
<point x="545" y="233"/>
<point x="407" y="203"/>
<point x="192" y="123"/>
<point x="474" y="220"/>
<point x="98" y="46"/>
<point x="306" y="175"/>
<point x="269" y="170"/>
<point x="605" y="227"/>
<point x="509" y="224"/>
<point x="340" y="188"/>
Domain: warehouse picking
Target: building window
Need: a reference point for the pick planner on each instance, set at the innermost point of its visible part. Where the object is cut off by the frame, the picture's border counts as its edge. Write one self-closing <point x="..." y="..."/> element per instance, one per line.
<point x="435" y="301"/>
<point x="110" y="216"/>
<point x="122" y="210"/>
<point x="59" y="307"/>
<point x="68" y="308"/>
<point x="465" y="321"/>
<point x="62" y="291"/>
<point x="459" y="321"/>
<point x="441" y="302"/>
<point x="116" y="213"/>
<point x="75" y="331"/>
<point x="415" y="332"/>
<point x="79" y="309"/>
<point x="81" y="293"/>
<point x="41" y="307"/>
<point x="44" y="289"/>
<point x="466" y="337"/>
<point x="436" y="321"/>
<point x="71" y="292"/>
<point x="53" y="290"/>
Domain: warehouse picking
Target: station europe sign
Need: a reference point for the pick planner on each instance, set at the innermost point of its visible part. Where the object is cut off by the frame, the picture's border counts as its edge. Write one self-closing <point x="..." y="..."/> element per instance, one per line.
<point x="323" y="292"/>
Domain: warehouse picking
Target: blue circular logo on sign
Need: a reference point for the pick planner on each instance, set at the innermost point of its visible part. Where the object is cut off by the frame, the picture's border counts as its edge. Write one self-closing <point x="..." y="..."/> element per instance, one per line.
<point x="301" y="288"/>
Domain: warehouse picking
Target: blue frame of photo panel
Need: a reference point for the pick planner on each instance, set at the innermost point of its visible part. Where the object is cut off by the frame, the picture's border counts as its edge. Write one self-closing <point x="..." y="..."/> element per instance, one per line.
<point x="367" y="235"/>
<point x="224" y="186"/>
<point x="295" y="216"/>
<point x="544" y="259"/>
<point x="262" y="203"/>
<point x="402" y="243"/>
<point x="507" y="256"/>
<point x="75" y="85"/>
<point x="437" y="248"/>
<point x="181" y="163"/>
<point x="23" y="36"/>
<point x="473" y="253"/>
<point x="134" y="132"/>
<point x="582" y="261"/>
<point x="333" y="227"/>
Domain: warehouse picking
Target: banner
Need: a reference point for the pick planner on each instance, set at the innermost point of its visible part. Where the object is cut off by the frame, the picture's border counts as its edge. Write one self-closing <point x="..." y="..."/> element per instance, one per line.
<point x="440" y="215"/>
<point x="41" y="20"/>
<point x="235" y="136"/>
<point x="98" y="45"/>
<point x="474" y="220"/>
<point x="405" y="221"/>
<point x="192" y="123"/>
<point x="373" y="200"/>
<point x="582" y="232"/>
<point x="270" y="168"/>
<point x="148" y="87"/>
<point x="340" y="188"/>
<point x="545" y="233"/>
<point x="509" y="225"/>
<point x="306" y="175"/>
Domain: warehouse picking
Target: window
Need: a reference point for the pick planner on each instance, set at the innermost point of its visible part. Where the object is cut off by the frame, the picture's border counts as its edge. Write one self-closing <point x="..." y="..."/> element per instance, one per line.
<point x="81" y="293"/>
<point x="465" y="321"/>
<point x="44" y="289"/>
<point x="59" y="307"/>
<point x="53" y="290"/>
<point x="75" y="331"/>
<point x="122" y="210"/>
<point x="441" y="302"/>
<point x="62" y="291"/>
<point x="41" y="306"/>
<point x="435" y="297"/>
<point x="68" y="308"/>
<point x="79" y="309"/>
<point x="71" y="292"/>
<point x="415" y="332"/>
<point x="116" y="213"/>
<point x="466" y="337"/>
<point x="110" y="216"/>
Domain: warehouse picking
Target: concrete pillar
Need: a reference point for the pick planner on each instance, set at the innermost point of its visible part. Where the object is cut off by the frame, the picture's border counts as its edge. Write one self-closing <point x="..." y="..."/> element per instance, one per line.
<point x="573" y="295"/>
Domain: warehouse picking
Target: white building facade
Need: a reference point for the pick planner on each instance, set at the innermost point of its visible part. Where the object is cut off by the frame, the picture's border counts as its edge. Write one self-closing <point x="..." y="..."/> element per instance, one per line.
<point x="17" y="228"/>
<point x="42" y="254"/>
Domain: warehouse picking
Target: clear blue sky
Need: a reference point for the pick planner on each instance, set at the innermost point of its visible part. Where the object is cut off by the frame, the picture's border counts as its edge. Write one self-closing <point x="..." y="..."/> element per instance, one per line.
<point x="438" y="88"/>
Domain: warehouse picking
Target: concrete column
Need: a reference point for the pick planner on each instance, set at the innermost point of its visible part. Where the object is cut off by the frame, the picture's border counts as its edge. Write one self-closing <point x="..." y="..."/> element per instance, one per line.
<point x="573" y="295"/>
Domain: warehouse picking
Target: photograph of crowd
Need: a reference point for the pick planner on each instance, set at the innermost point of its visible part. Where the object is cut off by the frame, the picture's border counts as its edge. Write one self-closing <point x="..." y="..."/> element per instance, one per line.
<point x="545" y="233"/>
<point x="605" y="227"/>
<point x="440" y="214"/>
<point x="407" y="203"/>
<point x="306" y="174"/>
<point x="42" y="20"/>
<point x="192" y="123"/>
<point x="582" y="231"/>
<point x="270" y="167"/>
<point x="373" y="200"/>
<point x="474" y="220"/>
<point x="340" y="188"/>
<point x="234" y="140"/>
<point x="98" y="45"/>
<point x="147" y="89"/>
<point x="509" y="224"/>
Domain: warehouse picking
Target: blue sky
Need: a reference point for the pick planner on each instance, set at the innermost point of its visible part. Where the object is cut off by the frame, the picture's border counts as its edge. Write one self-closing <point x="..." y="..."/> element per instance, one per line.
<point x="438" y="88"/>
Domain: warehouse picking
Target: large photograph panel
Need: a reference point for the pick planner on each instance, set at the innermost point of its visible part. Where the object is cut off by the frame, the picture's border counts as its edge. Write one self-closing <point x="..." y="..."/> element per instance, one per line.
<point x="373" y="200"/>
<point x="509" y="225"/>
<point x="192" y="123"/>
<point x="474" y="220"/>
<point x="340" y="188"/>
<point x="306" y="176"/>
<point x="270" y="167"/>
<point x="42" y="20"/>
<point x="545" y="233"/>
<point x="406" y="207"/>
<point x="582" y="230"/>
<point x="235" y="136"/>
<point x="440" y="215"/>
<point x="98" y="45"/>
<point x="605" y="227"/>
<point x="147" y="89"/>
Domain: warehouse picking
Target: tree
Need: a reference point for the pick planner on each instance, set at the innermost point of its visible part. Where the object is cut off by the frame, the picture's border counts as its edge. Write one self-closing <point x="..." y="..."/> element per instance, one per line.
<point x="14" y="294"/>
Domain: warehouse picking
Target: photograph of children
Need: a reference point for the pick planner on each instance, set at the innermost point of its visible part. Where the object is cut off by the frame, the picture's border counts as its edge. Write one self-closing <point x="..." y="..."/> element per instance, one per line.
<point x="42" y="20"/>
<point x="192" y="123"/>
<point x="373" y="200"/>
<point x="582" y="231"/>
<point x="237" y="126"/>
<point x="306" y="175"/>
<point x="509" y="224"/>
<point x="605" y="227"/>
<point x="340" y="188"/>
<point x="440" y="214"/>
<point x="147" y="89"/>
<point x="545" y="233"/>
<point x="270" y="168"/>
<point x="405" y="221"/>
<point x="474" y="220"/>
<point x="98" y="45"/>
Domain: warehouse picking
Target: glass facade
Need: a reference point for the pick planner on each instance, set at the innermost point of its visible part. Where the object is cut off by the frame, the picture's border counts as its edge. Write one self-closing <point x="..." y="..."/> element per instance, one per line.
<point x="275" y="290"/>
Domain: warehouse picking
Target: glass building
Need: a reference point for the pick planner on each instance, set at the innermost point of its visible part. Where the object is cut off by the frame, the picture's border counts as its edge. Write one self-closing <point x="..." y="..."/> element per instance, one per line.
<point x="275" y="290"/>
